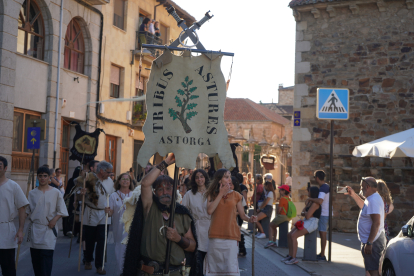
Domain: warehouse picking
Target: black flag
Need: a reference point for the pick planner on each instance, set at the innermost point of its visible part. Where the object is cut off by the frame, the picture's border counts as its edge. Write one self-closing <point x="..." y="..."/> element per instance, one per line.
<point x="85" y="144"/>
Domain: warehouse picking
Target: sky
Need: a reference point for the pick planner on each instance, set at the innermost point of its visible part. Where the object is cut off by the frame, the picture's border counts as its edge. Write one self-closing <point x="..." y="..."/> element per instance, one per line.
<point x="262" y="37"/>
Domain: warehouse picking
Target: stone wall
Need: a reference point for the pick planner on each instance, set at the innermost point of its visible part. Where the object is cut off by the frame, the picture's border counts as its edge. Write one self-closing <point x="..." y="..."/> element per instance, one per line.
<point x="286" y="96"/>
<point x="369" y="49"/>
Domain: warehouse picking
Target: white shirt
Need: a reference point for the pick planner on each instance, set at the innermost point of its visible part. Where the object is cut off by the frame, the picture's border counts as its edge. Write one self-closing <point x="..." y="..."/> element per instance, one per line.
<point x="151" y="28"/>
<point x="289" y="181"/>
<point x="270" y="195"/>
<point x="11" y="199"/>
<point x="372" y="205"/>
<point x="198" y="209"/>
<point x="94" y="217"/>
<point x="44" y="206"/>
<point x="324" y="194"/>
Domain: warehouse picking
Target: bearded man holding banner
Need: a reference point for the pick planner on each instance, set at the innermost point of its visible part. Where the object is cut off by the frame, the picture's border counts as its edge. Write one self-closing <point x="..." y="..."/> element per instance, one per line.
<point x="147" y="242"/>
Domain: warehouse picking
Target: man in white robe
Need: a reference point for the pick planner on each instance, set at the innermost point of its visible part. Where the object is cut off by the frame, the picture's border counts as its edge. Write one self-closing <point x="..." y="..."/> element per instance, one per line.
<point x="12" y="199"/>
<point x="98" y="187"/>
<point x="46" y="207"/>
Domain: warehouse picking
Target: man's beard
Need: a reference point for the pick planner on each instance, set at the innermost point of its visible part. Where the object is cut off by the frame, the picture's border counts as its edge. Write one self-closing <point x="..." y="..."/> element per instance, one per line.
<point x="163" y="197"/>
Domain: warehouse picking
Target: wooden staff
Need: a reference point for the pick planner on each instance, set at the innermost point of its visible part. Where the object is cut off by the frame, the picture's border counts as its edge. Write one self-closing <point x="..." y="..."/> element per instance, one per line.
<point x="106" y="230"/>
<point x="81" y="228"/>
<point x="27" y="196"/>
<point x="255" y="213"/>
<point x="73" y="226"/>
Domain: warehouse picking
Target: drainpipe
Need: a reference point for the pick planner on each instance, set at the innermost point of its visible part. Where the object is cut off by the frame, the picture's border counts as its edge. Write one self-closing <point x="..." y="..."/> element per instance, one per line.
<point x="58" y="83"/>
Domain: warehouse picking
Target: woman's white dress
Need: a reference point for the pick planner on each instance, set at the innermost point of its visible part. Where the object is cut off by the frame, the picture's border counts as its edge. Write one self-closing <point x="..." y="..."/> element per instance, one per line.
<point x="115" y="202"/>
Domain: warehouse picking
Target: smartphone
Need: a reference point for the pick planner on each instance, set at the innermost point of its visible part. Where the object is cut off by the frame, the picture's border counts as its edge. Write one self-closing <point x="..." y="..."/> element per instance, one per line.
<point x="341" y="190"/>
<point x="309" y="185"/>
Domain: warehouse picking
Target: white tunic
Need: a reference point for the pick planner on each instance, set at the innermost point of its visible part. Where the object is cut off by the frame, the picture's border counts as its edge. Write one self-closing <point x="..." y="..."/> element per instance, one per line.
<point x="115" y="202"/>
<point x="11" y="199"/>
<point x="44" y="206"/>
<point x="95" y="214"/>
<point x="198" y="209"/>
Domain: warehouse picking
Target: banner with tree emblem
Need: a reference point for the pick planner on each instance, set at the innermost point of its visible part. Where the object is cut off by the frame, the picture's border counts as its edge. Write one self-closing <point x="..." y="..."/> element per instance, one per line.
<point x="185" y="106"/>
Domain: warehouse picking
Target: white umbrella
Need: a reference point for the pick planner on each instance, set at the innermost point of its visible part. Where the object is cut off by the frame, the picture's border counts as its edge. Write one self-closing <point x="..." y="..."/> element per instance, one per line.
<point x="397" y="145"/>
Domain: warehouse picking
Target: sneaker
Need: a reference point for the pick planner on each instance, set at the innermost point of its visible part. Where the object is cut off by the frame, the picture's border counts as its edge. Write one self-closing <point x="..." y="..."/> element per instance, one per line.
<point x="292" y="261"/>
<point x="88" y="266"/>
<point x="320" y="258"/>
<point x="270" y="244"/>
<point x="286" y="259"/>
<point x="101" y="271"/>
<point x="261" y="236"/>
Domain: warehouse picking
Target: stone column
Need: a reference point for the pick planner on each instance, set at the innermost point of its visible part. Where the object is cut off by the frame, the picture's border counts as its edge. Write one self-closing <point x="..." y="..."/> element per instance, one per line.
<point x="251" y="159"/>
<point x="8" y="46"/>
<point x="239" y="154"/>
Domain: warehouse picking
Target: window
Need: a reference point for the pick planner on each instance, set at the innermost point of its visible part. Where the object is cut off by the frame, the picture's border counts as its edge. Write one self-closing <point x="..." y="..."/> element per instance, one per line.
<point x="30" y="35"/>
<point x="74" y="47"/>
<point x="19" y="129"/>
<point x="110" y="151"/>
<point x="115" y="80"/>
<point x="140" y="108"/>
<point x="119" y="13"/>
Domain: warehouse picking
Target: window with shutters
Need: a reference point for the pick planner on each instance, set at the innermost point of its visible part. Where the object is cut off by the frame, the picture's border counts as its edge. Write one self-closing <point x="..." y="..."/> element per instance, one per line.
<point x="74" y="47"/>
<point x="119" y="14"/>
<point x="115" y="81"/>
<point x="31" y="32"/>
<point x="140" y="90"/>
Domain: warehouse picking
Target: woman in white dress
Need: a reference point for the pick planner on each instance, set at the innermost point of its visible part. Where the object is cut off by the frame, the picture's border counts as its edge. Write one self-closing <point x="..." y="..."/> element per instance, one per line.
<point x="197" y="205"/>
<point x="123" y="189"/>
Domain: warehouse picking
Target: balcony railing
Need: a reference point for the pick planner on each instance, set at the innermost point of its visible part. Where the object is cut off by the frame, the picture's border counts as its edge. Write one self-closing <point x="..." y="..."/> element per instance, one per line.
<point x="21" y="162"/>
<point x="148" y="38"/>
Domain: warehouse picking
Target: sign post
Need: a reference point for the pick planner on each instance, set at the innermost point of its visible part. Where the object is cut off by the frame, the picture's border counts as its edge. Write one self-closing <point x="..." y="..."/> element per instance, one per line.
<point x="332" y="104"/>
<point x="33" y="143"/>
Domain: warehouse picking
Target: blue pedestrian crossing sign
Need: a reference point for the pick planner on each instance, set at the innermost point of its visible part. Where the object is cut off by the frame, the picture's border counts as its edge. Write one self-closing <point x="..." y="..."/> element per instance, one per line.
<point x="332" y="104"/>
<point x="33" y="138"/>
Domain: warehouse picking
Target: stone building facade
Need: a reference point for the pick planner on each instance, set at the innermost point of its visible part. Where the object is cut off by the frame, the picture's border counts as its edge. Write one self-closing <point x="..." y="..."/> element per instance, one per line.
<point x="286" y="95"/>
<point x="368" y="47"/>
<point x="97" y="35"/>
<point x="246" y="120"/>
<point x="29" y="51"/>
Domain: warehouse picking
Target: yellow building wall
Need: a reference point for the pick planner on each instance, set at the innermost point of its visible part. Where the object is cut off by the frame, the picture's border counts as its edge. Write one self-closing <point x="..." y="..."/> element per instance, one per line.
<point x="116" y="50"/>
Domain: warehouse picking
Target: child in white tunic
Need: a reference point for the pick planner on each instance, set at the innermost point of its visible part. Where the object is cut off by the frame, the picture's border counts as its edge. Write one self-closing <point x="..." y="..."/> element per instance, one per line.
<point x="46" y="207"/>
<point x="12" y="199"/>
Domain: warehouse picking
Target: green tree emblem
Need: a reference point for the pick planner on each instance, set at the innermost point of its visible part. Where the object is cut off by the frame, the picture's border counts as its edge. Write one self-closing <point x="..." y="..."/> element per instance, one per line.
<point x="182" y="99"/>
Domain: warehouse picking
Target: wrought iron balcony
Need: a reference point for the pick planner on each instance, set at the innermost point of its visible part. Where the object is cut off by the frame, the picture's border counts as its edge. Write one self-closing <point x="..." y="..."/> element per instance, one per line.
<point x="148" y="38"/>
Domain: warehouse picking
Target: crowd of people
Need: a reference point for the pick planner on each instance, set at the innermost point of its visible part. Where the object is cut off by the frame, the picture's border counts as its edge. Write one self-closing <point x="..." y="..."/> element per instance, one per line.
<point x="206" y="234"/>
<point x="149" y="29"/>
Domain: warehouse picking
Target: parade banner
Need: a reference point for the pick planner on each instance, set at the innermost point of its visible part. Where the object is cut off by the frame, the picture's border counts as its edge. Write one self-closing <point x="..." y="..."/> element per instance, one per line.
<point x="185" y="106"/>
<point x="85" y="144"/>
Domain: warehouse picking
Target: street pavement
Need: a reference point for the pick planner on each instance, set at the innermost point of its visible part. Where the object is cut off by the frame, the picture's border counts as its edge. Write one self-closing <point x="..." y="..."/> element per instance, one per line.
<point x="267" y="262"/>
<point x="346" y="258"/>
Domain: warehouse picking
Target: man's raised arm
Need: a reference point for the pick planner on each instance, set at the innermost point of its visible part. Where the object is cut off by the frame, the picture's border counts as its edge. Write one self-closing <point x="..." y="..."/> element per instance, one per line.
<point x="148" y="179"/>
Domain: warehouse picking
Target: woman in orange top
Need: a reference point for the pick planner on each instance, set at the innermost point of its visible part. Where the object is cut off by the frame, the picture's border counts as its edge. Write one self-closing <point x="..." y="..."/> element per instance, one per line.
<point x="222" y="204"/>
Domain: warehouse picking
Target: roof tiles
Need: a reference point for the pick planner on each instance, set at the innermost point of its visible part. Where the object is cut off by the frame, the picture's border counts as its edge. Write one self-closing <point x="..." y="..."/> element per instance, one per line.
<point x="295" y="3"/>
<point x="246" y="110"/>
